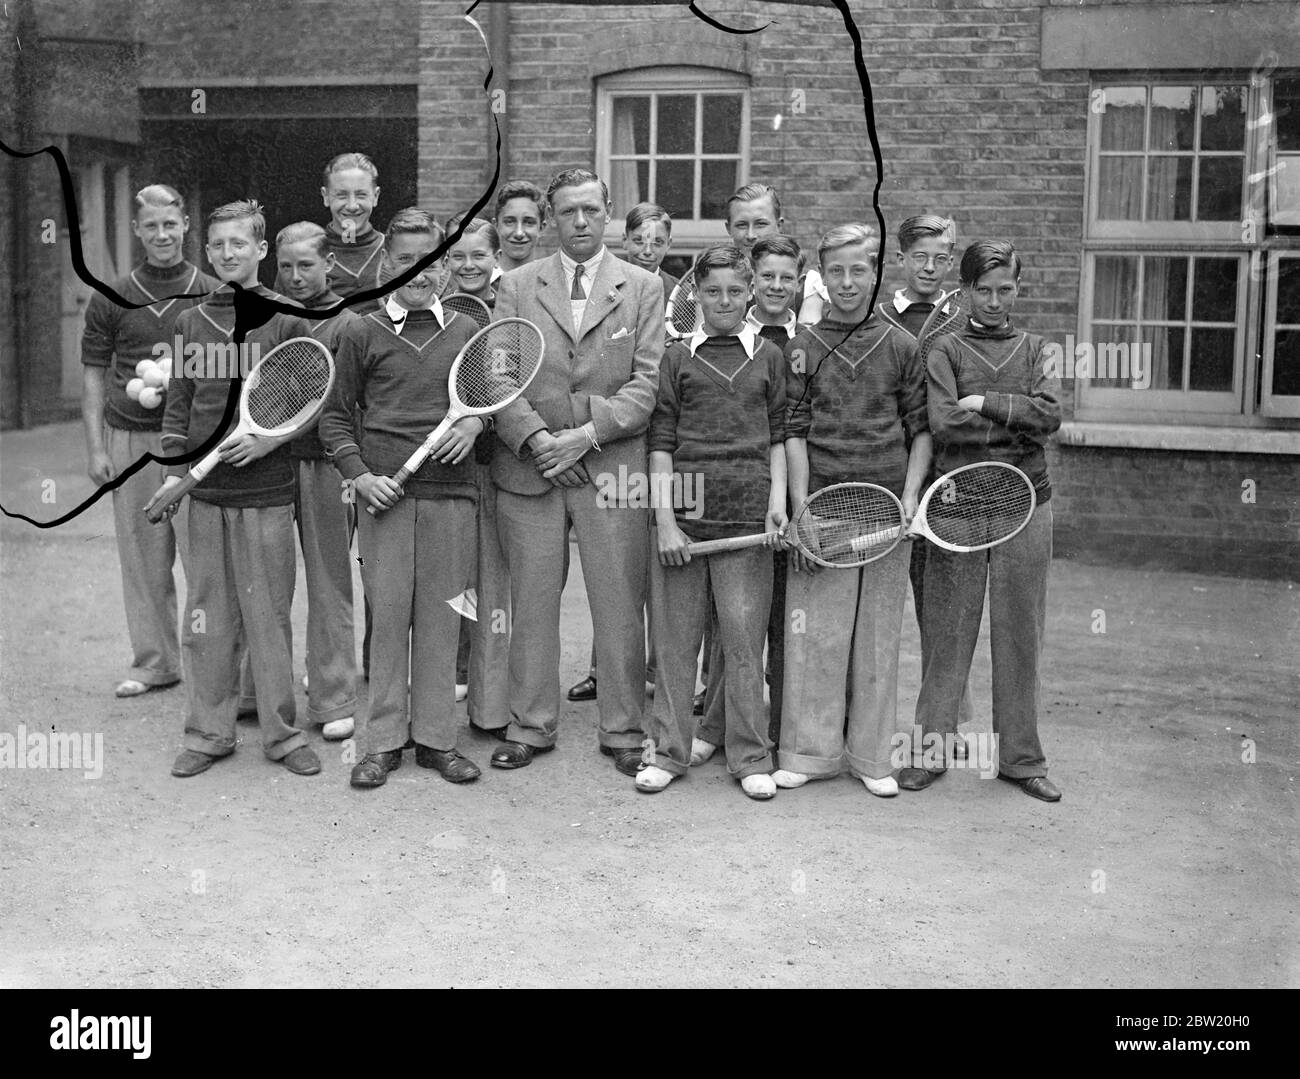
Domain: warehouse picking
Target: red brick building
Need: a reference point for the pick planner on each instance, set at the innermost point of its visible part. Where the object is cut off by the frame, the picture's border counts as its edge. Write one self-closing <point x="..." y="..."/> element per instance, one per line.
<point x="1144" y="157"/>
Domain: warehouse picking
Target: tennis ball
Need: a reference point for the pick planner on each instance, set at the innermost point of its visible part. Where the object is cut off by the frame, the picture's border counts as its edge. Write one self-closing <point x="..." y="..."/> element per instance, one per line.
<point x="165" y="366"/>
<point x="133" y="388"/>
<point x="150" y="397"/>
<point x="154" y="377"/>
<point x="143" y="366"/>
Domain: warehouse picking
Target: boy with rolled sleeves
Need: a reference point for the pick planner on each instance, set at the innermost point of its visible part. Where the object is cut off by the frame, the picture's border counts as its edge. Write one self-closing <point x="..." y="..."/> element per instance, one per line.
<point x="120" y="430"/>
<point x="241" y="572"/>
<point x="419" y="550"/>
<point x="718" y="425"/>
<point x="856" y="414"/>
<point x="325" y="517"/>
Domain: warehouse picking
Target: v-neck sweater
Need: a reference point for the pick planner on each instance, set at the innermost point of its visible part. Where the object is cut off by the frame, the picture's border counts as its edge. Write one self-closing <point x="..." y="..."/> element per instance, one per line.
<point x="718" y="413"/>
<point x="398" y="380"/>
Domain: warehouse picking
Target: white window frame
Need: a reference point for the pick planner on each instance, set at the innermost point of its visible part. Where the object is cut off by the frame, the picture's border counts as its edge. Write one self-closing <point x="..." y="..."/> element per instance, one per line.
<point x="1257" y="251"/>
<point x="689" y="235"/>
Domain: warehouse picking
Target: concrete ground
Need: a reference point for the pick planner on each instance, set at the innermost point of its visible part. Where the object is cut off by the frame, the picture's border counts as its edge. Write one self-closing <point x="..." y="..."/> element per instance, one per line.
<point x="1171" y="861"/>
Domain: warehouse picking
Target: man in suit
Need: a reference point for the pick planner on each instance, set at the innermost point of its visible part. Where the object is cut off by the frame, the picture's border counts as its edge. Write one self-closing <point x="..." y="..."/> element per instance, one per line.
<point x="562" y="447"/>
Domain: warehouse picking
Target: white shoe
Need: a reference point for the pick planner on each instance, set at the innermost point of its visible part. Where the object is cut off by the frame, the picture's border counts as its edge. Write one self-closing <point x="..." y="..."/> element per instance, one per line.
<point x="652" y="779"/>
<point x="130" y="687"/>
<point x="881" y="788"/>
<point x="759" y="786"/>
<point x="789" y="780"/>
<point x="304" y="681"/>
<point x="701" y="750"/>
<point x="650" y="689"/>
<point x="462" y="691"/>
<point x="337" y="729"/>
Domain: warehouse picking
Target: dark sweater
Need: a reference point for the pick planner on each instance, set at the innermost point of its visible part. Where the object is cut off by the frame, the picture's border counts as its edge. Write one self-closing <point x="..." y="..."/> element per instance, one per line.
<point x="913" y="319"/>
<point x="719" y="433"/>
<point x="399" y="381"/>
<point x="1022" y="403"/>
<point x="356" y="264"/>
<point x="308" y="446"/>
<point x="195" y="405"/>
<point x="859" y="408"/>
<point x="119" y="338"/>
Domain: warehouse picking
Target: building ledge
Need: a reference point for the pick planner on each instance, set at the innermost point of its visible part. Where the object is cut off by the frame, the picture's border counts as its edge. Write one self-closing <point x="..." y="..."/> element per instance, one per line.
<point x="1143" y="436"/>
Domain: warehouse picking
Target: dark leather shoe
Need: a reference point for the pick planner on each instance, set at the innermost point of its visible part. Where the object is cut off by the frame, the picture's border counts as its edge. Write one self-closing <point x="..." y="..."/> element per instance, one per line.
<point x="372" y="769"/>
<point x="302" y="761"/>
<point x="697" y="708"/>
<point x="916" y="779"/>
<point x="627" y="761"/>
<point x="516" y="754"/>
<point x="191" y="762"/>
<point x="1039" y="787"/>
<point x="584" y="690"/>
<point x="454" y="767"/>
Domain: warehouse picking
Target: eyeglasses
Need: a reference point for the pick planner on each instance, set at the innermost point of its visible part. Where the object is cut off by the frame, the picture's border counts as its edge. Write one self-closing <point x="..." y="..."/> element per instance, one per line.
<point x="920" y="261"/>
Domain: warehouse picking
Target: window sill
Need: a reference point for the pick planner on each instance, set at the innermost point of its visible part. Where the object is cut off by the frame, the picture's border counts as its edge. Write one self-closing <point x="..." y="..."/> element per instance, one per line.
<point x="1141" y="436"/>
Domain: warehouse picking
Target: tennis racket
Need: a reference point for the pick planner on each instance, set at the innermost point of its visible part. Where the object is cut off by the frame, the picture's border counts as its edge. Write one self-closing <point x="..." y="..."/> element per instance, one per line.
<point x="493" y="368"/>
<point x="971" y="508"/>
<point x="471" y="306"/>
<point x="682" y="311"/>
<point x="280" y="397"/>
<point x="945" y="318"/>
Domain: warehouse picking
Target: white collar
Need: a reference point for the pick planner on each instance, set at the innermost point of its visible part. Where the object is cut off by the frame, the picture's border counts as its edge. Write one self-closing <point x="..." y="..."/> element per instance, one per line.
<point x="791" y="324"/>
<point x="588" y="267"/>
<point x="397" y="313"/>
<point x="747" y="335"/>
<point x="902" y="303"/>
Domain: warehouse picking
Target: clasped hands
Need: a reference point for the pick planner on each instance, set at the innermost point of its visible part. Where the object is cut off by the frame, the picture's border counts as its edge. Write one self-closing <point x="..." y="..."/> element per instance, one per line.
<point x="558" y="457"/>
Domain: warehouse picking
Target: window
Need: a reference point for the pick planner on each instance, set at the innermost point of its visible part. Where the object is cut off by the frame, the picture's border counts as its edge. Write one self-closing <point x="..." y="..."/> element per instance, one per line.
<point x="1192" y="251"/>
<point x="676" y="136"/>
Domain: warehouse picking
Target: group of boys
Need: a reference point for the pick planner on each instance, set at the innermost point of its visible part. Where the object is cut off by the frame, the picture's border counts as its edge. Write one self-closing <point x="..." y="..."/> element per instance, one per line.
<point x="789" y="383"/>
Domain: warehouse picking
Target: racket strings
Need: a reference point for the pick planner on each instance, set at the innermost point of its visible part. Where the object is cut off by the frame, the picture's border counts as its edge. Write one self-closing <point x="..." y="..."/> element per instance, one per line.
<point x="497" y="365"/>
<point x="684" y="306"/>
<point x="979" y="506"/>
<point x="291" y="380"/>
<point x="849" y="524"/>
<point x="471" y="306"/>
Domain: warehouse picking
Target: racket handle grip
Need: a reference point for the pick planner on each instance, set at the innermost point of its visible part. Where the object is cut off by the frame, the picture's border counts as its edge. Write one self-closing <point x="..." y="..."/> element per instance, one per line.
<point x="734" y="543"/>
<point x="156" y="508"/>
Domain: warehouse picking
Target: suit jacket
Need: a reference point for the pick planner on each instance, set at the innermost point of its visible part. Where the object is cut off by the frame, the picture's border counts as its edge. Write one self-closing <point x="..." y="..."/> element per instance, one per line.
<point x="606" y="373"/>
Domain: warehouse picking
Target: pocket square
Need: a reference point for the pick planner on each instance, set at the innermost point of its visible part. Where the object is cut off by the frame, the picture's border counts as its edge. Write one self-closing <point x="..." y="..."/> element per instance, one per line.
<point x="623" y="332"/>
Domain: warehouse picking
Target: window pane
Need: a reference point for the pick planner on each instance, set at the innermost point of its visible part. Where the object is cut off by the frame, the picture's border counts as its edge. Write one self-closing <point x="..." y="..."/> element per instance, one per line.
<point x="1165" y="356"/>
<point x="676" y="125"/>
<point x="1223" y="117"/>
<point x="1124" y="121"/>
<point x="1286" y="362"/>
<point x="722" y="115"/>
<point x="630" y="132"/>
<point x="1169" y="189"/>
<point x="1286" y="113"/>
<point x="675" y="187"/>
<point x="1214" y="292"/>
<point x="1164" y="291"/>
<point x="1114" y="294"/>
<point x="629" y="183"/>
<point x="1167" y="346"/>
<point x="1110" y="363"/>
<point x="718" y="180"/>
<point x="1288" y="292"/>
<point x="1119" y="188"/>
<point x="1173" y="124"/>
<point x="1212" y="359"/>
<point x="1219" y="196"/>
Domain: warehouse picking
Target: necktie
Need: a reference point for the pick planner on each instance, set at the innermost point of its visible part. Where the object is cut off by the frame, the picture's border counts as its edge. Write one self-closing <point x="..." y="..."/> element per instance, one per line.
<point x="577" y="293"/>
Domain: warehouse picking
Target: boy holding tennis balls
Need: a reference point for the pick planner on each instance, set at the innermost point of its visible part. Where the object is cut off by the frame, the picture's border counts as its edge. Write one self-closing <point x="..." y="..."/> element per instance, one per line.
<point x="419" y="551"/>
<point x="241" y="572"/>
<point x="856" y="402"/>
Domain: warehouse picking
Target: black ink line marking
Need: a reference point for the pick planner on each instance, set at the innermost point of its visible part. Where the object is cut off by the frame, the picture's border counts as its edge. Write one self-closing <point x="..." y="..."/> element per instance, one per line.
<point x="722" y="26"/>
